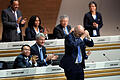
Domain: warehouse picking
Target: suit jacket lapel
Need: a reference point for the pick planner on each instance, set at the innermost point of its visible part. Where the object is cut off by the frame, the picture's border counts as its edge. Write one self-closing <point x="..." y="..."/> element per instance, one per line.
<point x="11" y="13"/>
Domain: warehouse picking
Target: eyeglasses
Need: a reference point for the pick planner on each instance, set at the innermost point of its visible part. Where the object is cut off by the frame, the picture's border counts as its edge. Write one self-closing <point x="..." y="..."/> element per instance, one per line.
<point x="26" y="50"/>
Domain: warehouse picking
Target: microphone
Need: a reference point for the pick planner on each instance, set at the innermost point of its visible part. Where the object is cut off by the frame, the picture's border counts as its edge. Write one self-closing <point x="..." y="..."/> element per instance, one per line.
<point x="106" y="57"/>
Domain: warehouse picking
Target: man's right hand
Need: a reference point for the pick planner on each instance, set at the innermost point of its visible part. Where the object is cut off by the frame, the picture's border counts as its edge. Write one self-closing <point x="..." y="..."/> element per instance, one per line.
<point x="18" y="21"/>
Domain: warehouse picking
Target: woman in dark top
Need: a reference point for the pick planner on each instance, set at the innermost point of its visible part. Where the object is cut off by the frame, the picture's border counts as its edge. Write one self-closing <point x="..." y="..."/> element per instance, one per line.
<point x="93" y="20"/>
<point x="34" y="27"/>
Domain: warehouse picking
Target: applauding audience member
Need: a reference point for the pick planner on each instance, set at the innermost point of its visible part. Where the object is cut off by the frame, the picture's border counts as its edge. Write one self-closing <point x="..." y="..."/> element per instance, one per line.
<point x="34" y="27"/>
<point x="39" y="50"/>
<point x="62" y="29"/>
<point x="25" y="59"/>
<point x="12" y="22"/>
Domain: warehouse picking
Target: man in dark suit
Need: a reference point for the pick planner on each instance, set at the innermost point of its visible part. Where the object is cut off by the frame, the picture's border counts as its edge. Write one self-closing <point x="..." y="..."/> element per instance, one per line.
<point x="73" y="61"/>
<point x="63" y="29"/>
<point x="93" y="20"/>
<point x="12" y="22"/>
<point x="39" y="50"/>
<point x="25" y="59"/>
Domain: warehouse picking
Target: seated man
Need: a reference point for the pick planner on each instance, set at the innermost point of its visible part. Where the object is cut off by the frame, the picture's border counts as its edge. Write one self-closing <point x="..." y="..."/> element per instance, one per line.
<point x="39" y="50"/>
<point x="62" y="29"/>
<point x="25" y="60"/>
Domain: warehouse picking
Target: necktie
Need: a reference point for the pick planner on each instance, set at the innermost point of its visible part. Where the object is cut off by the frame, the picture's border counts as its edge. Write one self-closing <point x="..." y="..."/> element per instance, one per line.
<point x="18" y="29"/>
<point x="27" y="61"/>
<point x="41" y="54"/>
<point x="66" y="31"/>
<point x="79" y="55"/>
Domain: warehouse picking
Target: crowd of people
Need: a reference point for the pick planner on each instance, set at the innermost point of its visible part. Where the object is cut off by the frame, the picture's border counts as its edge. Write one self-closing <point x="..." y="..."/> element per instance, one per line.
<point x="12" y="21"/>
<point x="76" y="39"/>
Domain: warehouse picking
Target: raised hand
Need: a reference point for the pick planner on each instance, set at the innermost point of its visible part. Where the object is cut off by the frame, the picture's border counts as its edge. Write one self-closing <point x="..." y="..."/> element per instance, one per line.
<point x="24" y="21"/>
<point x="18" y="20"/>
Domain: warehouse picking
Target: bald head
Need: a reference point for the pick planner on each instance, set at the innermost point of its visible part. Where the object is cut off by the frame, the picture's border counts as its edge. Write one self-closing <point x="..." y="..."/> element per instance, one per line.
<point x="79" y="30"/>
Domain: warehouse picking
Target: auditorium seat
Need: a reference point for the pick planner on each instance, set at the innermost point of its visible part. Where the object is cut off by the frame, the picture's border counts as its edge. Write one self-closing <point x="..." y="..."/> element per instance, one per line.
<point x="3" y="65"/>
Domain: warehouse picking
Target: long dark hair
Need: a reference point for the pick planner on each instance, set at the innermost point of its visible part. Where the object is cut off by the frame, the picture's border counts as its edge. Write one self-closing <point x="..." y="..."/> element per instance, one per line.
<point x="31" y="22"/>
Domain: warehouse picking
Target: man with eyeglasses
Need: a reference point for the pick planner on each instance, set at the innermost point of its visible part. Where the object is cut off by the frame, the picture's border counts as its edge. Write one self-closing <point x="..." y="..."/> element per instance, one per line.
<point x="39" y="50"/>
<point x="73" y="62"/>
<point x="25" y="59"/>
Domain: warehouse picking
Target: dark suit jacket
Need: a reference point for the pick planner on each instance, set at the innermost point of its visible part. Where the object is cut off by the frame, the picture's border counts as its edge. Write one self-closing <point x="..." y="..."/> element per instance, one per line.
<point x="58" y="31"/>
<point x="31" y="34"/>
<point x="20" y="62"/>
<point x="88" y="23"/>
<point x="71" y="52"/>
<point x="10" y="25"/>
<point x="35" y="51"/>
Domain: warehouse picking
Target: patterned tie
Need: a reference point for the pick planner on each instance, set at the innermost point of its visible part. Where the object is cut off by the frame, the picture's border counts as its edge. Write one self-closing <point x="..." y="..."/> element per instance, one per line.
<point x="27" y="62"/>
<point x="18" y="29"/>
<point x="79" y="55"/>
<point x="41" y="54"/>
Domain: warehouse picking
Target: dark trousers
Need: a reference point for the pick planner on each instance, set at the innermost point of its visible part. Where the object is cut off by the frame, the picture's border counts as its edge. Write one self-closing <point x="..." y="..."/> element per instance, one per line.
<point x="75" y="74"/>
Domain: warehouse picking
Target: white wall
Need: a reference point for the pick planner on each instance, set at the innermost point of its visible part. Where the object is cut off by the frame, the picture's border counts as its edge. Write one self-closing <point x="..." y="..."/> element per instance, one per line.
<point x="109" y="9"/>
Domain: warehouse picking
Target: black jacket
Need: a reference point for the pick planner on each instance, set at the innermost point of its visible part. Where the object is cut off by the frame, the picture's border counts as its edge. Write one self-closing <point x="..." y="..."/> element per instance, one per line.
<point x="59" y="33"/>
<point x="35" y="51"/>
<point x="30" y="33"/>
<point x="88" y="23"/>
<point x="71" y="52"/>
<point x="10" y="26"/>
<point x="20" y="62"/>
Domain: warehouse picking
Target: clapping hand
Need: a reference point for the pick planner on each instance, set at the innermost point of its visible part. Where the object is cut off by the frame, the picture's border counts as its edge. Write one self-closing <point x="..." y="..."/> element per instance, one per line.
<point x="18" y="20"/>
<point x="24" y="21"/>
<point x="51" y="57"/>
<point x="88" y="53"/>
<point x="34" y="58"/>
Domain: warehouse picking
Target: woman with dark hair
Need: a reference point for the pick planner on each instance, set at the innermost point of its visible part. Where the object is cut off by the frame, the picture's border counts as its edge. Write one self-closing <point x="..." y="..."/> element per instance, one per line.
<point x="34" y="27"/>
<point x="93" y="20"/>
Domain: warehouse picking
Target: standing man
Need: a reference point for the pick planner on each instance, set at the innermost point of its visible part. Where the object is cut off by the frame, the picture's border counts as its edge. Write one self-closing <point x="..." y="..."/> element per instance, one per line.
<point x="63" y="29"/>
<point x="12" y="22"/>
<point x="73" y="61"/>
<point x="39" y="50"/>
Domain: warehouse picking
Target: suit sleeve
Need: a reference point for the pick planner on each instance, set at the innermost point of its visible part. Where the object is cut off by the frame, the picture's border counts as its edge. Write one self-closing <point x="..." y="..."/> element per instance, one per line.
<point x="57" y="34"/>
<point x="28" y="34"/>
<point x="86" y="23"/>
<point x="100" y="24"/>
<point x="6" y="22"/>
<point x="89" y="43"/>
<point x="20" y="63"/>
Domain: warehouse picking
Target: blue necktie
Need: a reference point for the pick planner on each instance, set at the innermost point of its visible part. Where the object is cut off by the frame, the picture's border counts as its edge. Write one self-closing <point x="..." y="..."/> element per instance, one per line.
<point x="66" y="31"/>
<point x="79" y="55"/>
<point x="27" y="61"/>
<point x="41" y="54"/>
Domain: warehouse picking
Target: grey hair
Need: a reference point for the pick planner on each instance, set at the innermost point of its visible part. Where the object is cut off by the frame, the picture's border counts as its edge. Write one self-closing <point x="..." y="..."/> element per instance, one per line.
<point x="76" y="28"/>
<point x="40" y="35"/>
<point x="63" y="17"/>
